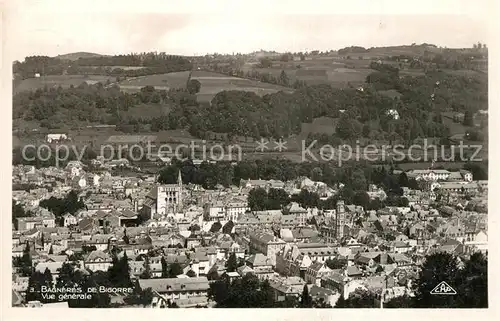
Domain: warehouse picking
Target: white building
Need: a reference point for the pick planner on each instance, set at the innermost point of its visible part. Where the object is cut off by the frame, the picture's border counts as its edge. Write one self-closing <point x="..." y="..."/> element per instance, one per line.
<point x="164" y="199"/>
<point x="98" y="261"/>
<point x="53" y="138"/>
<point x="428" y="174"/>
<point x="69" y="219"/>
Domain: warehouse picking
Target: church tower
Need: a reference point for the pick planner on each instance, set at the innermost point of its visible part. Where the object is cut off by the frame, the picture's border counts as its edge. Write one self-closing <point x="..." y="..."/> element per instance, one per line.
<point x="340" y="219"/>
<point x="179" y="184"/>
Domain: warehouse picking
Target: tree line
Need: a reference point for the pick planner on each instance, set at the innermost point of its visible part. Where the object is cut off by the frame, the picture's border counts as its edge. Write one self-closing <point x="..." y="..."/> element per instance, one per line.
<point x="152" y="63"/>
<point x="355" y="176"/>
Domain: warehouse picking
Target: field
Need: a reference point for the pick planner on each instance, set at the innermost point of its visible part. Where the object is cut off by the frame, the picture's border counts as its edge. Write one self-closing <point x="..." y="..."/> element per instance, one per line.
<point x="125" y="67"/>
<point x="333" y="70"/>
<point x="161" y="81"/>
<point x="322" y="125"/>
<point x="64" y="81"/>
<point x="147" y="111"/>
<point x="213" y="83"/>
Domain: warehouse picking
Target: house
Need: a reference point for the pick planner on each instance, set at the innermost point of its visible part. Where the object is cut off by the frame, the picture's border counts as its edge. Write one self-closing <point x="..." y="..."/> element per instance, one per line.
<point x="261" y="265"/>
<point x="317" y="251"/>
<point x="466" y="175"/>
<point x="299" y="212"/>
<point x="400" y="259"/>
<point x="55" y="138"/>
<point x="244" y="270"/>
<point x="371" y="259"/>
<point x="322" y="294"/>
<point x="137" y="268"/>
<point x="79" y="182"/>
<point x="231" y="276"/>
<point x="286" y="287"/>
<point x="98" y="261"/>
<point x="315" y="272"/>
<point x="267" y="244"/>
<point x="18" y="250"/>
<point x="28" y="223"/>
<point x="400" y="247"/>
<point x="185" y="292"/>
<point x="428" y="174"/>
<point x="69" y="219"/>
<point x="478" y="242"/>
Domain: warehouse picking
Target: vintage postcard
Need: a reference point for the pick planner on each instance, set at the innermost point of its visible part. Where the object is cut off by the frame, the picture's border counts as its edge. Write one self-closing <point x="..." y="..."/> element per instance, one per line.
<point x="244" y="158"/>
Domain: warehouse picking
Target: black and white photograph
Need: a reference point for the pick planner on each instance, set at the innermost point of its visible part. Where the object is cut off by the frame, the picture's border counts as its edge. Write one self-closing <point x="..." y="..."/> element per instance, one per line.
<point x="247" y="158"/>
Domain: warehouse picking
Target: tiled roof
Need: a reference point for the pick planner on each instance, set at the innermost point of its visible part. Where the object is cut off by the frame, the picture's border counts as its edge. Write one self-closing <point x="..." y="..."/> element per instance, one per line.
<point x="259" y="259"/>
<point x="175" y="284"/>
<point x="94" y="255"/>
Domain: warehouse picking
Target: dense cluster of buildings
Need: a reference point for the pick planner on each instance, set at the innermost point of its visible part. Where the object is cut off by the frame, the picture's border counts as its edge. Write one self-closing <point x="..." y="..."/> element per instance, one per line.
<point x="333" y="251"/>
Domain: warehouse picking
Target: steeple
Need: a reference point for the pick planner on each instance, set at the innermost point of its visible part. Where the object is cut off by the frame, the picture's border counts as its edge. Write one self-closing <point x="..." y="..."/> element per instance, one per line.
<point x="179" y="179"/>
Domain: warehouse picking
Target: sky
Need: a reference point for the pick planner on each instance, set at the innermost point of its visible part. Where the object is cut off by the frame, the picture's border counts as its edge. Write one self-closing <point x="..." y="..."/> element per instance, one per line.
<point x="46" y="27"/>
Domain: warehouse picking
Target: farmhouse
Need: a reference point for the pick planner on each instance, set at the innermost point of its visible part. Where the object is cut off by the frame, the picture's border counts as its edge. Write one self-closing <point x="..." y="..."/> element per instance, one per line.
<point x="54" y="138"/>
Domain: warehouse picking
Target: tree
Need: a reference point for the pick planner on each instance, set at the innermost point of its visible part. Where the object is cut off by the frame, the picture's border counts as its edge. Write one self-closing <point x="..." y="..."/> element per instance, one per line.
<point x="247" y="292"/>
<point x="26" y="262"/>
<point x="212" y="275"/>
<point x="35" y="282"/>
<point x="468" y="118"/>
<point x="361" y="198"/>
<point x="164" y="268"/>
<point x="265" y="63"/>
<point x="193" y="86"/>
<point x="257" y="198"/>
<point x="335" y="263"/>
<point x="174" y="270"/>
<point x="375" y="204"/>
<point x="360" y="298"/>
<point x="216" y="227"/>
<point x="285" y="57"/>
<point x="472" y="283"/>
<point x="437" y="267"/>
<point x="125" y="237"/>
<point x="305" y="299"/>
<point x="146" y="297"/>
<point x="400" y="302"/>
<point x="231" y="264"/>
<point x="194" y="228"/>
<point x="349" y="128"/>
<point x="358" y="180"/>
<point x="119" y="272"/>
<point x="284" y="78"/>
<point x="219" y="291"/>
<point x="276" y="199"/>
<point x="67" y="277"/>
<point x="403" y="180"/>
<point x="18" y="212"/>
<point x="228" y="227"/>
<point x="146" y="274"/>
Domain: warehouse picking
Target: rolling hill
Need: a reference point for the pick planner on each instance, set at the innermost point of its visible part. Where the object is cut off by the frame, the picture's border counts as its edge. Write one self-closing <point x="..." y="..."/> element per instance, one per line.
<point x="77" y="55"/>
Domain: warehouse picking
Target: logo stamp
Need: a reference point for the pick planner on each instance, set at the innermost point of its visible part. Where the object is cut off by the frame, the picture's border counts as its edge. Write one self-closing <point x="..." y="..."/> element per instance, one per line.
<point x="443" y="288"/>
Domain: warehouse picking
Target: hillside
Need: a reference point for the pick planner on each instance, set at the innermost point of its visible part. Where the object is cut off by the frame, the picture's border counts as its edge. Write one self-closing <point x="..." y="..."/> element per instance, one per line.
<point x="77" y="55"/>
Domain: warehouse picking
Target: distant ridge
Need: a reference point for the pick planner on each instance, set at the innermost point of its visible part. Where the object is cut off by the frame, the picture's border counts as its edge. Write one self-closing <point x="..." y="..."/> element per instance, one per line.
<point x="78" y="55"/>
